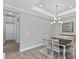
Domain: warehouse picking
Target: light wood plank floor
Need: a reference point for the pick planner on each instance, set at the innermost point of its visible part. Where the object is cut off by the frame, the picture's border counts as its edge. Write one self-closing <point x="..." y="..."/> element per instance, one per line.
<point x="30" y="54"/>
<point x="10" y="46"/>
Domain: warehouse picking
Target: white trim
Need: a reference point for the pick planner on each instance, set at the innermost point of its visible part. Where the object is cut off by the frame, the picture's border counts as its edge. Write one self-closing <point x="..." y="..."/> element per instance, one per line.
<point x="19" y="10"/>
<point x="40" y="10"/>
<point x="43" y="11"/>
<point x="50" y="14"/>
<point x="3" y="55"/>
<point x="67" y="12"/>
<point x="25" y="11"/>
<point x="25" y="49"/>
<point x="16" y="8"/>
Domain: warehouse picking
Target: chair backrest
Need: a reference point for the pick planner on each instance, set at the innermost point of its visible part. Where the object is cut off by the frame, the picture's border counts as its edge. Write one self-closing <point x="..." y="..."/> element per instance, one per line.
<point x="55" y="45"/>
<point x="55" y="41"/>
<point x="47" y="42"/>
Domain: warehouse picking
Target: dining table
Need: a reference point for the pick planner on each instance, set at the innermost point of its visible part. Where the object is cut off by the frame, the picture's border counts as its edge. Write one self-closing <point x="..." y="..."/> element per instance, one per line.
<point x="63" y="41"/>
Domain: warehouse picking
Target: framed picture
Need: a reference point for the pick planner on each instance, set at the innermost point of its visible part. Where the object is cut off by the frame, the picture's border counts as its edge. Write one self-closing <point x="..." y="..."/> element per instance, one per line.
<point x="67" y="27"/>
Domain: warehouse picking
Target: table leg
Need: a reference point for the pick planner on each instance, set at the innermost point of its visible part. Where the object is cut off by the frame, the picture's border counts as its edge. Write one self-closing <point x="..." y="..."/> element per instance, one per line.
<point x="64" y="50"/>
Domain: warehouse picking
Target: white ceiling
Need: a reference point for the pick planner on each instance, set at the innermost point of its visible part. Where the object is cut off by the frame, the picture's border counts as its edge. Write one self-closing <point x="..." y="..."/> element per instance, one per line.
<point x="48" y="6"/>
<point x="63" y="5"/>
<point x="23" y="4"/>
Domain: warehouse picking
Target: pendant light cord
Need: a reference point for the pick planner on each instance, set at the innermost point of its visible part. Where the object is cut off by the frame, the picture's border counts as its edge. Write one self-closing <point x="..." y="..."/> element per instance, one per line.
<point x="56" y="11"/>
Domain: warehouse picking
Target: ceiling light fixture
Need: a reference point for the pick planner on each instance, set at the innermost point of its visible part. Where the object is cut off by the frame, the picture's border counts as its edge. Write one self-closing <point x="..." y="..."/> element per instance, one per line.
<point x="53" y="22"/>
<point x="59" y="18"/>
<point x="60" y="22"/>
<point x="40" y="5"/>
<point x="56" y="18"/>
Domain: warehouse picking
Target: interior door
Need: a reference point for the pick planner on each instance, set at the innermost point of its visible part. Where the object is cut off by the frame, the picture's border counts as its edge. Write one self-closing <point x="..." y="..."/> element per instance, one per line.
<point x="10" y="31"/>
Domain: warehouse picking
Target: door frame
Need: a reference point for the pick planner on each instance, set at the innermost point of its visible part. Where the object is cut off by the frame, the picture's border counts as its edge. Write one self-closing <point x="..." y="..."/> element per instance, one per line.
<point x="4" y="28"/>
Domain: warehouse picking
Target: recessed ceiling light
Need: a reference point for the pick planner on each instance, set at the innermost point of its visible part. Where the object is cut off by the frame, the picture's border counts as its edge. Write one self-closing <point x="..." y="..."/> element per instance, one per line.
<point x="10" y="13"/>
<point x="40" y="5"/>
<point x="71" y="6"/>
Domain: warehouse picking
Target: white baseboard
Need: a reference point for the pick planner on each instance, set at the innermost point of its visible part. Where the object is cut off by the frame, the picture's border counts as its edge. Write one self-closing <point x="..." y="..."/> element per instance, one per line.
<point x="3" y="55"/>
<point x="25" y="49"/>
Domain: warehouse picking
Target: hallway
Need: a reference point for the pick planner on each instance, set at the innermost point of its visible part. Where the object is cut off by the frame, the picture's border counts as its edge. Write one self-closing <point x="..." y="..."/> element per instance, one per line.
<point x="11" y="46"/>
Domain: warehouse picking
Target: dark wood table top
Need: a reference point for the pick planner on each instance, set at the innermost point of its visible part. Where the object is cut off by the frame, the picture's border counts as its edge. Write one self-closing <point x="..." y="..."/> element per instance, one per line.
<point x="63" y="41"/>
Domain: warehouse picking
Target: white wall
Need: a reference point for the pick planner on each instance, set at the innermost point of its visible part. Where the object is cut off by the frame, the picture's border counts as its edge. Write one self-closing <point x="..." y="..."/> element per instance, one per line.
<point x="33" y="30"/>
<point x="58" y="27"/>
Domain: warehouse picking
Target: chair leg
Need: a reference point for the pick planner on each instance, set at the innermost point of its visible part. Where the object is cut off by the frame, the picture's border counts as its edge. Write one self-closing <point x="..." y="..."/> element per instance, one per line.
<point x="64" y="52"/>
<point x="59" y="55"/>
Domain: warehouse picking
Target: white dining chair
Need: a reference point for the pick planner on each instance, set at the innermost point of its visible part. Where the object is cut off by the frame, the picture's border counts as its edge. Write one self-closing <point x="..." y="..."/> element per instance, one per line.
<point x="56" y="48"/>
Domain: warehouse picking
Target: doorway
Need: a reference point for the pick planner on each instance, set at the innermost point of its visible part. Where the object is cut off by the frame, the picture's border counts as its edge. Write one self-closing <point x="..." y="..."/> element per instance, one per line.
<point x="11" y="32"/>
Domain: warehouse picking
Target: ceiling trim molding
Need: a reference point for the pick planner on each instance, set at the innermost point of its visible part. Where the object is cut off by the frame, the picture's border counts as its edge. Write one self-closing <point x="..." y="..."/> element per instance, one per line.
<point x="13" y="8"/>
<point x="50" y="14"/>
<point x="72" y="16"/>
<point x="42" y="11"/>
<point x="67" y="12"/>
<point x="18" y="9"/>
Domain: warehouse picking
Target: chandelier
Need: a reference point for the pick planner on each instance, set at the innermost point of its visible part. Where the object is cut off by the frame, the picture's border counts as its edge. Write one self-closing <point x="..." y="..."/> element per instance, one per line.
<point x="56" y="19"/>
